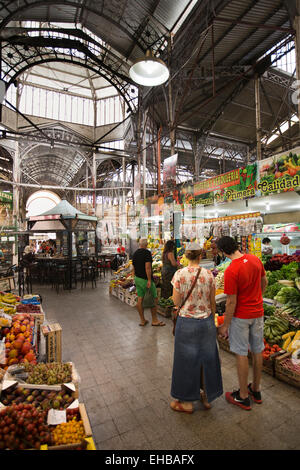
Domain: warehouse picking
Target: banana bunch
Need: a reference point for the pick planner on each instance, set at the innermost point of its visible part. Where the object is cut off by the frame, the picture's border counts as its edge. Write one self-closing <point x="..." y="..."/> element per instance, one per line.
<point x="8" y="298"/>
<point x="274" y="328"/>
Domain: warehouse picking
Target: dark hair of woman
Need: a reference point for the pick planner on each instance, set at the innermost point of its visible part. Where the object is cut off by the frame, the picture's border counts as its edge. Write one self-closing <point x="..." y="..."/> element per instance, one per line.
<point x="228" y="245"/>
<point x="266" y="240"/>
<point x="169" y="246"/>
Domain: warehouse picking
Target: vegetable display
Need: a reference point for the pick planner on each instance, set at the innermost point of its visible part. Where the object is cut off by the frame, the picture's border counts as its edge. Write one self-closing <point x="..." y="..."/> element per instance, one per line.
<point x="270" y="350"/>
<point x="274" y="328"/>
<point x="288" y="294"/>
<point x="166" y="302"/>
<point x="269" y="310"/>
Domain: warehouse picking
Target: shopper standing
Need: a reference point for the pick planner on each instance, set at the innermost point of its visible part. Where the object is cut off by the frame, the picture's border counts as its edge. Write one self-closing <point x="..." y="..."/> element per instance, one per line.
<point x="169" y="268"/>
<point x="142" y="266"/>
<point x="244" y="283"/>
<point x="196" y="368"/>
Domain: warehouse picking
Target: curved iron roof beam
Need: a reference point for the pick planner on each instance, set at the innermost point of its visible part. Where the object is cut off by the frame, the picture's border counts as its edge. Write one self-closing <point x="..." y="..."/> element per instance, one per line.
<point x="40" y="56"/>
<point x="21" y="6"/>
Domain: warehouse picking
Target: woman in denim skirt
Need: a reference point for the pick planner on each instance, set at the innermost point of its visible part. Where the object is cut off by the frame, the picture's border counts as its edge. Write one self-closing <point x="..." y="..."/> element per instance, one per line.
<point x="196" y="368"/>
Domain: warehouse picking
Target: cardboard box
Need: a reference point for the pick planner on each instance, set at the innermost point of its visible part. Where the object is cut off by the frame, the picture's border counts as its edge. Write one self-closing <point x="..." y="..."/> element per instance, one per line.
<point x="53" y="337"/>
<point x="131" y="299"/>
<point x="121" y="294"/>
<point x="115" y="291"/>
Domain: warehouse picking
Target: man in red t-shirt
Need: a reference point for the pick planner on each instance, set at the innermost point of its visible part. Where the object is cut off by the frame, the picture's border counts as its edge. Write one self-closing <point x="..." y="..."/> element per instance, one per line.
<point x="244" y="283"/>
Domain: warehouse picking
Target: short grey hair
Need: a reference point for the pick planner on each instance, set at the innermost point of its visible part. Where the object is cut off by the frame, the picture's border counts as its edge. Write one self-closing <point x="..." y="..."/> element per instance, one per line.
<point x="143" y="242"/>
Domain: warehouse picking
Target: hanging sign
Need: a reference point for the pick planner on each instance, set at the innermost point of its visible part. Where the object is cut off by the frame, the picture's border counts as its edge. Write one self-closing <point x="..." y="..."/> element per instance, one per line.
<point x="169" y="173"/>
<point x="237" y="184"/>
<point x="280" y="173"/>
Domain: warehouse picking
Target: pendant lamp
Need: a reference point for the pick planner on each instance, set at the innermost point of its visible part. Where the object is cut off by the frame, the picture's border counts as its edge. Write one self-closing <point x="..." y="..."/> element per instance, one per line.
<point x="149" y="70"/>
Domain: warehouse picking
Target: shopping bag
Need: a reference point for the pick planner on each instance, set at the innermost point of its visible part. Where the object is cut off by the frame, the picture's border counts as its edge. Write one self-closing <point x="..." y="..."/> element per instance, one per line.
<point x="148" y="301"/>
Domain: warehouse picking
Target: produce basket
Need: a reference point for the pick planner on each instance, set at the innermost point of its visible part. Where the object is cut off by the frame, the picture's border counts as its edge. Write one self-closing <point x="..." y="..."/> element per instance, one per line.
<point x="165" y="311"/>
<point x="287" y="374"/>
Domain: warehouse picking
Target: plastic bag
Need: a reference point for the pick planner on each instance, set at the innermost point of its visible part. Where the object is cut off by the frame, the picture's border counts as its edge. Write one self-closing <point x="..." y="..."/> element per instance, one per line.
<point x="148" y="301"/>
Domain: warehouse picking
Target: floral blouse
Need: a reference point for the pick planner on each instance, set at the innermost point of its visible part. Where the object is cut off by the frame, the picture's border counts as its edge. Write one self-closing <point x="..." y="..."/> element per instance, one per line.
<point x="198" y="304"/>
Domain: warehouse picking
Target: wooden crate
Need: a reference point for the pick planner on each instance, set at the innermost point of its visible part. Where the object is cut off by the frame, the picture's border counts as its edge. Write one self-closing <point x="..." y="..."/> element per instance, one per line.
<point x="88" y="441"/>
<point x="165" y="311"/>
<point x="286" y="375"/>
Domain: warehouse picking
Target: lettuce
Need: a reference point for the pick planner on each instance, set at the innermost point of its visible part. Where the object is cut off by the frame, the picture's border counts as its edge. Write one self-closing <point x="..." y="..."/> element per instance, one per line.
<point x="287" y="294"/>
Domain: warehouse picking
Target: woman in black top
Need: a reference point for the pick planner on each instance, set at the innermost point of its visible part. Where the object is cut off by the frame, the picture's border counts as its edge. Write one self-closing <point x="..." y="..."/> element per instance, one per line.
<point x="168" y="269"/>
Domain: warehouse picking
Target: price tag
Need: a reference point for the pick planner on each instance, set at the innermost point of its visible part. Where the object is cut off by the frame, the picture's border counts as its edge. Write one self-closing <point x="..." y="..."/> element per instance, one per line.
<point x="56" y="417"/>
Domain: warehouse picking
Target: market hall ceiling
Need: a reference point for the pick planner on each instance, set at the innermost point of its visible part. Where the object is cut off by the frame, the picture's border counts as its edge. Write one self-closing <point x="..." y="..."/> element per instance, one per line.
<point x="217" y="47"/>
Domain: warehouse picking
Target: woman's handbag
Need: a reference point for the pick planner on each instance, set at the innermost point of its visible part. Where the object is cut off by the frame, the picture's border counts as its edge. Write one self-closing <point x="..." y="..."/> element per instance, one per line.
<point x="176" y="310"/>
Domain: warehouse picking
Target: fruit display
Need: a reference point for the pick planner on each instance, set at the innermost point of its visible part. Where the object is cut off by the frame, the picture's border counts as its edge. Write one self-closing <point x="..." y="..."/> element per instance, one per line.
<point x="28" y="308"/>
<point x="71" y="432"/>
<point x="48" y="373"/>
<point x="9" y="298"/>
<point x="22" y="426"/>
<point x="39" y="398"/>
<point x="2" y="374"/>
<point x="5" y="320"/>
<point x="7" y="310"/>
<point x="19" y="339"/>
<point x="274" y="328"/>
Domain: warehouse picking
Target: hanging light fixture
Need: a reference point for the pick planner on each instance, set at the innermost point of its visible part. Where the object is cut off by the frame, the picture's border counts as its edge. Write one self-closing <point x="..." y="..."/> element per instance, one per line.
<point x="149" y="70"/>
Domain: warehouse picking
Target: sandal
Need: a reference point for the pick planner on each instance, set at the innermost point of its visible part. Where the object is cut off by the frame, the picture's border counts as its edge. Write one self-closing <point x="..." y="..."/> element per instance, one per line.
<point x="177" y="406"/>
<point x="161" y="323"/>
<point x="144" y="324"/>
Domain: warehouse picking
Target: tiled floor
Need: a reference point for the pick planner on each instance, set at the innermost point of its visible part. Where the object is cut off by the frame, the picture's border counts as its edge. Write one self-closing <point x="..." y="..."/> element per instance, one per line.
<point x="125" y="373"/>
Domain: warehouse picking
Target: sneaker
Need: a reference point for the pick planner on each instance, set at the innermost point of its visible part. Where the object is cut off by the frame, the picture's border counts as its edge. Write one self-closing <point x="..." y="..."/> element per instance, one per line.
<point x="235" y="399"/>
<point x="256" y="396"/>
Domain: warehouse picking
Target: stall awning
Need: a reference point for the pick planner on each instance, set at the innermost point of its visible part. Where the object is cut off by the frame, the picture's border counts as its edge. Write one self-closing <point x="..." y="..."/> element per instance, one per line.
<point x="48" y="226"/>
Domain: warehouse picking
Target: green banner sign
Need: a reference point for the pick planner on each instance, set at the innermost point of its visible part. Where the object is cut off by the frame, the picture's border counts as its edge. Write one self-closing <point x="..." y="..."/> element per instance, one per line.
<point x="237" y="184"/>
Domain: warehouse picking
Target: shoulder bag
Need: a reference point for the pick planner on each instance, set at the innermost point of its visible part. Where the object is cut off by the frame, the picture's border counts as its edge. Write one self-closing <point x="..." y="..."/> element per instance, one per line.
<point x="176" y="310"/>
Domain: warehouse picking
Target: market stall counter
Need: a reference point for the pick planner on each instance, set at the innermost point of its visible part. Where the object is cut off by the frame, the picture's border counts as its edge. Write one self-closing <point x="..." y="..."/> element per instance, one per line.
<point x="76" y="235"/>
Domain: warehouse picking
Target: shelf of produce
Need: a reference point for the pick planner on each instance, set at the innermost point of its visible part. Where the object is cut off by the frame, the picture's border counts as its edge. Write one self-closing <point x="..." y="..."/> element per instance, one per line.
<point x="286" y="371"/>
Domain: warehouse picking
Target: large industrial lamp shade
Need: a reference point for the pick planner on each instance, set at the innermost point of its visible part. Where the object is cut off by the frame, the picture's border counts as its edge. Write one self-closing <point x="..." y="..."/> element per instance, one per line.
<point x="149" y="71"/>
